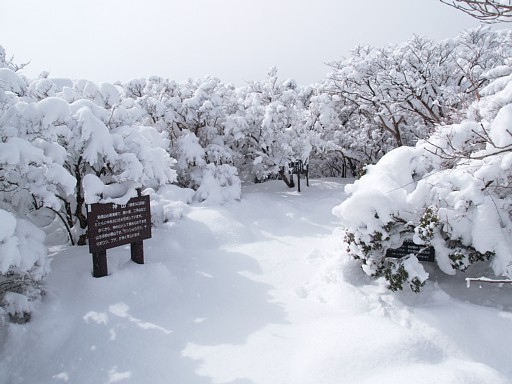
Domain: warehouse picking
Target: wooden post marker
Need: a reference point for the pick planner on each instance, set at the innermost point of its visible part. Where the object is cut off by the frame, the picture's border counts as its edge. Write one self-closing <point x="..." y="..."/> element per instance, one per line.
<point x="137" y="252"/>
<point x="297" y="168"/>
<point x="112" y="225"/>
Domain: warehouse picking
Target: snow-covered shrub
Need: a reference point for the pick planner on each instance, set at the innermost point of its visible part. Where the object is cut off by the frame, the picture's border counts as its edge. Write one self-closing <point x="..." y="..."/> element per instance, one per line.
<point x="273" y="126"/>
<point x="169" y="203"/>
<point x="23" y="265"/>
<point x="450" y="191"/>
<point x="219" y="184"/>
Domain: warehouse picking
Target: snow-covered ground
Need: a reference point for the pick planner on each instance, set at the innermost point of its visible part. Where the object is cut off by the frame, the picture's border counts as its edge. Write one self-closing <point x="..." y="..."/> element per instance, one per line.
<point x="255" y="292"/>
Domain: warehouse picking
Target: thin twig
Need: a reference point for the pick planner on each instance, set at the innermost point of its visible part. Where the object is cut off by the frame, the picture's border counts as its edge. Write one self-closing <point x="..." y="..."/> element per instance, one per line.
<point x="486" y="280"/>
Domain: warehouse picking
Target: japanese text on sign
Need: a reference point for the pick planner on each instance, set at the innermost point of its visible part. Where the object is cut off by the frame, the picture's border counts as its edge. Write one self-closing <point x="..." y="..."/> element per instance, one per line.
<point x="113" y="225"/>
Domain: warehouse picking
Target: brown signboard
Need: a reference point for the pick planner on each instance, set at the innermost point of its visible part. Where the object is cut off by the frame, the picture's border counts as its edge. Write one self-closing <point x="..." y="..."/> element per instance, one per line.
<point x="297" y="168"/>
<point x="113" y="225"/>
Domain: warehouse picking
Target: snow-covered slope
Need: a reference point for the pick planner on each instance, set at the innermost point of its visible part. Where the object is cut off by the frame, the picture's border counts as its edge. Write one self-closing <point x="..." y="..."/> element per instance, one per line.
<point x="255" y="292"/>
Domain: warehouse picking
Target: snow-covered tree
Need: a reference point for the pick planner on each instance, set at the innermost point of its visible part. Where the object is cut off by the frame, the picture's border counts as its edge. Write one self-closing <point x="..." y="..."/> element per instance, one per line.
<point x="397" y="94"/>
<point x="271" y="127"/>
<point x="31" y="173"/>
<point x="79" y="130"/>
<point x="126" y="154"/>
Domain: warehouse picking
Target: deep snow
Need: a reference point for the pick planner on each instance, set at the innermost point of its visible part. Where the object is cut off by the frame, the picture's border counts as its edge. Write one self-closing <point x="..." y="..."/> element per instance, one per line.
<point x="255" y="292"/>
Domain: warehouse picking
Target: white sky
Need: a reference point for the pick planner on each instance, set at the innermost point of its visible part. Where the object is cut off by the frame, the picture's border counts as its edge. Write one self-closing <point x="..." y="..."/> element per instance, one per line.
<point x="235" y="40"/>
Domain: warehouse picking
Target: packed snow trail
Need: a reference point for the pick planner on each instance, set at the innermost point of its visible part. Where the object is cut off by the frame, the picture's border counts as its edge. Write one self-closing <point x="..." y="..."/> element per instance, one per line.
<point x="253" y="292"/>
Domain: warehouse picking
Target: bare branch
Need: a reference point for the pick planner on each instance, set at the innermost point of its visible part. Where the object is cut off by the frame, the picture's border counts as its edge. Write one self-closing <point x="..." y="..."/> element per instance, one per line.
<point x="487" y="11"/>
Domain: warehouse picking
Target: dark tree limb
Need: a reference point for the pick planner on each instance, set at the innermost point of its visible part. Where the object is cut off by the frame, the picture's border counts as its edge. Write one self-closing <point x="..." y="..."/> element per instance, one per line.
<point x="487" y="11"/>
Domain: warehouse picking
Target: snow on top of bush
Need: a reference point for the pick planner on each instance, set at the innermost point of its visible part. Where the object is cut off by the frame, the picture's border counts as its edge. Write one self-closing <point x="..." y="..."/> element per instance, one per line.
<point x="83" y="104"/>
<point x="61" y="82"/>
<point x="18" y="151"/>
<point x="94" y="136"/>
<point x="496" y="94"/>
<point x="42" y="88"/>
<point x="32" y="249"/>
<point x="500" y="132"/>
<point x="95" y="191"/>
<point x="169" y="203"/>
<point x="144" y="156"/>
<point x="219" y="185"/>
<point x="7" y="225"/>
<point x="22" y="246"/>
<point x="110" y="94"/>
<point x="381" y="193"/>
<point x="10" y="81"/>
<point x="192" y="151"/>
<point x="93" y="188"/>
<point x="53" y="110"/>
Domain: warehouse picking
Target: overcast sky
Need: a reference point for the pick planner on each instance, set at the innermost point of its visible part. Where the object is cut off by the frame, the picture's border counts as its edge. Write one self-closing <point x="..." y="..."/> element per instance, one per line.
<point x="235" y="40"/>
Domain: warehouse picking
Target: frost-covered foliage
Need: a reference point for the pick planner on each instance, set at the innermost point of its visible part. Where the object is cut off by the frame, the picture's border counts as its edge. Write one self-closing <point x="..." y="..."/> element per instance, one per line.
<point x="450" y="191"/>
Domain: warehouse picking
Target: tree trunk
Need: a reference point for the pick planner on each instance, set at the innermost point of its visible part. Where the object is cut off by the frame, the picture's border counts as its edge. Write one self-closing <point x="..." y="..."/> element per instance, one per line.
<point x="80" y="202"/>
<point x="288" y="182"/>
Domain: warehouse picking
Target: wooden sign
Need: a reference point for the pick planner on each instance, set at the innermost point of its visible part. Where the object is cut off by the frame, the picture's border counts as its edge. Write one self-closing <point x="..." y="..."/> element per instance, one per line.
<point x="422" y="252"/>
<point x="297" y="168"/>
<point x="113" y="225"/>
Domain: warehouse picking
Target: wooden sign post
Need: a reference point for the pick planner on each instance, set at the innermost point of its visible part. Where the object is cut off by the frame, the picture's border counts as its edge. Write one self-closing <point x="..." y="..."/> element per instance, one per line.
<point x="298" y="168"/>
<point x="112" y="225"/>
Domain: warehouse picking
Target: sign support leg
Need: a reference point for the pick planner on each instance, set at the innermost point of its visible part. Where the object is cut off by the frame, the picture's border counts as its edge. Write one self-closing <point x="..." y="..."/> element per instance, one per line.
<point x="99" y="264"/>
<point x="137" y="250"/>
